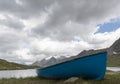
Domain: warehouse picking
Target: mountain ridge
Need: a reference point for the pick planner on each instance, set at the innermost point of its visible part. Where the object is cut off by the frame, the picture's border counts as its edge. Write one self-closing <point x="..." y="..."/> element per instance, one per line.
<point x="114" y="49"/>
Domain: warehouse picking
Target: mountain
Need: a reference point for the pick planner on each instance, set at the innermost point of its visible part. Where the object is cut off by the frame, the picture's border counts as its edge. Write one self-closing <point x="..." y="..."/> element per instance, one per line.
<point x="113" y="56"/>
<point x="5" y="65"/>
<point x="50" y="61"/>
<point x="59" y="59"/>
<point x="115" y="48"/>
<point x="45" y="62"/>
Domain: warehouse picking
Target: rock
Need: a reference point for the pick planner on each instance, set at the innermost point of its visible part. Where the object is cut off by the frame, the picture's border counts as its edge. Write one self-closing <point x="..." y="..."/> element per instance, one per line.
<point x="50" y="61"/>
<point x="114" y="48"/>
<point x="71" y="80"/>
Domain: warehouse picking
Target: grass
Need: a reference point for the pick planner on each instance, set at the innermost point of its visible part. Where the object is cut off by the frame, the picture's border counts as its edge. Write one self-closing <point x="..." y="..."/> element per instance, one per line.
<point x="113" y="61"/>
<point x="35" y="80"/>
<point x="5" y="65"/>
<point x="109" y="79"/>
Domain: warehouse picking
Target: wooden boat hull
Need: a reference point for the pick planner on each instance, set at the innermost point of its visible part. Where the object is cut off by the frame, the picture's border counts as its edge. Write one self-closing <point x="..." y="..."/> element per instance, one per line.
<point x="90" y="67"/>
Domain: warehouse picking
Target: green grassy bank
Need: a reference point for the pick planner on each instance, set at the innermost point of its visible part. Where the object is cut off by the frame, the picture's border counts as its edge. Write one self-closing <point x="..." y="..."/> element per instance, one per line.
<point x="113" y="61"/>
<point x="5" y="65"/>
<point x="109" y="79"/>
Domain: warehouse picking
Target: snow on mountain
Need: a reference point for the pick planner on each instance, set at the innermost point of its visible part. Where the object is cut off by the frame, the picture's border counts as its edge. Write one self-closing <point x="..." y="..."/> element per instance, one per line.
<point x="50" y="61"/>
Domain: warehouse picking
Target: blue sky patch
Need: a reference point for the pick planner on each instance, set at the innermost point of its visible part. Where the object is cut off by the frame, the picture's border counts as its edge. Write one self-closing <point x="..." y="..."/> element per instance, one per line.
<point x="112" y="25"/>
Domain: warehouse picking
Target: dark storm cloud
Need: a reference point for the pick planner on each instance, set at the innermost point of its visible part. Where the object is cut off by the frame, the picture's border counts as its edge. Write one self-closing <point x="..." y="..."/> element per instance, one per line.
<point x="81" y="14"/>
<point x="12" y="23"/>
<point x="24" y="8"/>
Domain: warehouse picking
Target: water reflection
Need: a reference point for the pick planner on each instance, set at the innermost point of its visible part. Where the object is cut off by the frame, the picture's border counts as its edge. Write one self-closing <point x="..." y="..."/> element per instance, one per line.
<point x="18" y="73"/>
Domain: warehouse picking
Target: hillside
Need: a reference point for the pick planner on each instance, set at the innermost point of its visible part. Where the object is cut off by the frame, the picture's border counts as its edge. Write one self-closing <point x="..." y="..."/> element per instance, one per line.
<point x="114" y="54"/>
<point x="114" y="48"/>
<point x="5" y="65"/>
<point x="113" y="61"/>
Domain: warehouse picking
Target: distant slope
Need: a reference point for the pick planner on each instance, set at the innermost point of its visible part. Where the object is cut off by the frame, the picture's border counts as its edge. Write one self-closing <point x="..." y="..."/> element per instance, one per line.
<point x="113" y="61"/>
<point x="114" y="48"/>
<point x="5" y="65"/>
<point x="51" y="61"/>
<point x="114" y="54"/>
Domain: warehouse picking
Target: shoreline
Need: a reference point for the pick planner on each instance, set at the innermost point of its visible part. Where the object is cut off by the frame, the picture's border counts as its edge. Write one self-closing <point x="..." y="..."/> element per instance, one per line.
<point x="109" y="79"/>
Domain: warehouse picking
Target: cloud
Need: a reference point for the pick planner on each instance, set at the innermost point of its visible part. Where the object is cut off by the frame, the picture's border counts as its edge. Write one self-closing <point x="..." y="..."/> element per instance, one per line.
<point x="10" y="41"/>
<point x="31" y="30"/>
<point x="24" y="8"/>
<point x="12" y="22"/>
<point x="71" y="19"/>
<point x="103" y="40"/>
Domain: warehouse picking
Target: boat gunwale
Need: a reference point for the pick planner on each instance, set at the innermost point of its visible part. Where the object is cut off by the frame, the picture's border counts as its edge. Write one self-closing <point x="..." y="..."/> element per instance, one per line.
<point x="71" y="60"/>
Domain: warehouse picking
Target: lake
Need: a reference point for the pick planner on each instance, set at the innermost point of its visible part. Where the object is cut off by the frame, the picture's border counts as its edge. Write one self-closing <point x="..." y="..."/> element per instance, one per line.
<point x="115" y="69"/>
<point x="18" y="73"/>
<point x="32" y="73"/>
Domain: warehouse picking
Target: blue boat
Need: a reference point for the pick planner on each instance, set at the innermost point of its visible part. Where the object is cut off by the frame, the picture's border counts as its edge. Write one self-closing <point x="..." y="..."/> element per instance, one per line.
<point x="88" y="67"/>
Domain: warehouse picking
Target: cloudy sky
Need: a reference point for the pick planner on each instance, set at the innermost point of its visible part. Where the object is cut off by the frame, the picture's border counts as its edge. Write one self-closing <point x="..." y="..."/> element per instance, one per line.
<point x="33" y="29"/>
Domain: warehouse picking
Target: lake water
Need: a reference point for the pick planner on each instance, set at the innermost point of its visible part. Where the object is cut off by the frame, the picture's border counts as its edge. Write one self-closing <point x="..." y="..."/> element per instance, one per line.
<point x="18" y="73"/>
<point x="115" y="69"/>
<point x="32" y="73"/>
